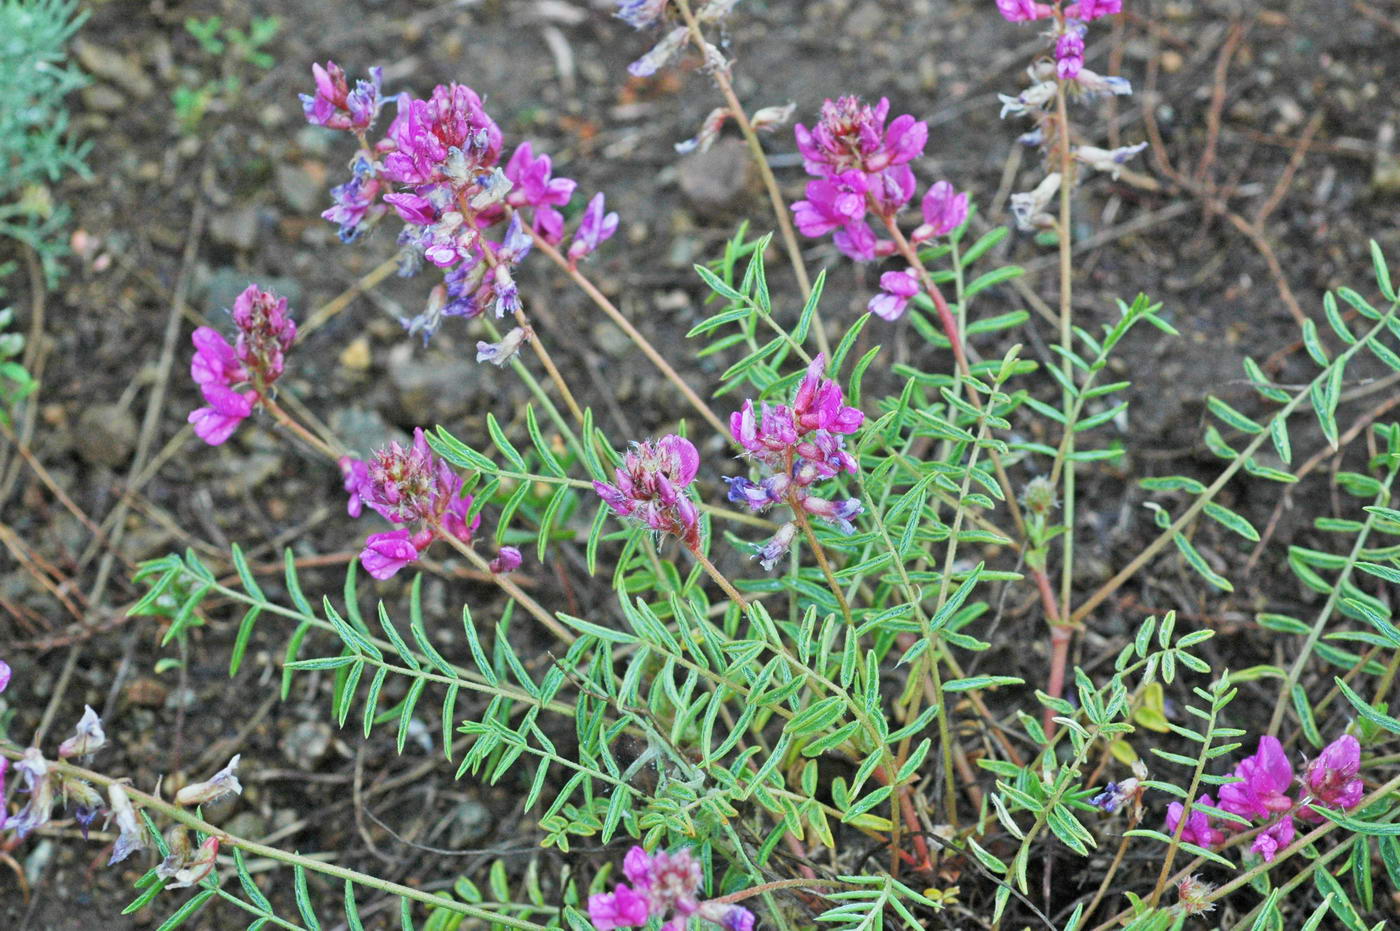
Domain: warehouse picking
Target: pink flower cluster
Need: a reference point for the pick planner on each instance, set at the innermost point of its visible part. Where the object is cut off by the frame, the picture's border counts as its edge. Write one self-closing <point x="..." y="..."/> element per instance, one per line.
<point x="254" y="361"/>
<point x="412" y="487"/>
<point x="439" y="168"/>
<point x="1021" y="11"/>
<point x="797" y="446"/>
<point x="651" y="487"/>
<point x="1262" y="794"/>
<point x="662" y="885"/>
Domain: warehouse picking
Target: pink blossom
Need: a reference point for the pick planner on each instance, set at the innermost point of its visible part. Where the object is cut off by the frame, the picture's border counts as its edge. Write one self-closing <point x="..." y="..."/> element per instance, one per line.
<point x="1331" y="777"/>
<point x="650" y="487"/>
<point x="944" y="211"/>
<point x="226" y="409"/>
<point x="4" y="675"/>
<point x="335" y="105"/>
<point x="356" y="475"/>
<point x="891" y="189"/>
<point x="820" y="404"/>
<point x="1087" y="10"/>
<point x="858" y="241"/>
<point x="425" y="134"/>
<point x="831" y="204"/>
<point x="851" y="135"/>
<point x="1069" y="52"/>
<point x="1020" y="11"/>
<point x="621" y="908"/>
<point x="896" y="289"/>
<point x="386" y="553"/>
<point x="1277" y="836"/>
<point x="534" y="187"/>
<point x="1266" y="776"/>
<point x="1198" y="830"/>
<point x="508" y="559"/>
<point x="594" y="229"/>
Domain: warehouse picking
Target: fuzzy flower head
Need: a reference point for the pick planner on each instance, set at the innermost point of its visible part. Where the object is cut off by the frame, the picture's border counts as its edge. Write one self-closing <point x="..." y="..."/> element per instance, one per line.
<point x="447" y="138"/>
<point x="651" y="487"/>
<point x="336" y="106"/>
<point x="87" y="738"/>
<point x="1265" y="777"/>
<point x="1331" y="776"/>
<point x="265" y="333"/>
<point x="1191" y="895"/>
<point x="852" y="135"/>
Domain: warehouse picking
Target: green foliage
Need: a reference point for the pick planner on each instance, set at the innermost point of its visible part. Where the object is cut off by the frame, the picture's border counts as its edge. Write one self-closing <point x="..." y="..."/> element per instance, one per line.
<point x="232" y="47"/>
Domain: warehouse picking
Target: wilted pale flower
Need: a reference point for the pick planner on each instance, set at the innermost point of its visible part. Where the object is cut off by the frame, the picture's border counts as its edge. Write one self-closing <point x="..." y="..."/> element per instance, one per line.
<point x="1029" y="207"/>
<point x="86" y="801"/>
<point x="217" y="786"/>
<point x="660" y="54"/>
<point x="132" y="836"/>
<point x="709" y="132"/>
<point x="1109" y="160"/>
<point x="502" y="352"/>
<point x="87" y="738"/>
<point x="640" y="13"/>
<point x="777" y="546"/>
<point x="199" y="865"/>
<point x="1192" y="893"/>
<point x="767" y="119"/>
<point x="38" y="782"/>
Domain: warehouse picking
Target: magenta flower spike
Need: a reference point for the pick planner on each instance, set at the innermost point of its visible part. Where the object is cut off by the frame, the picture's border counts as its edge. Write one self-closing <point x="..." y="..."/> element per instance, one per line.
<point x="1069" y="52"/>
<point x="1198" y="830"/>
<point x="896" y="290"/>
<point x="1265" y="776"/>
<point x="336" y="106"/>
<point x="594" y="229"/>
<point x="852" y="135"/>
<point x="1331" y="777"/>
<point x="662" y="885"/>
<point x="651" y="487"/>
<point x="447" y="138"/>
<point x="255" y="360"/>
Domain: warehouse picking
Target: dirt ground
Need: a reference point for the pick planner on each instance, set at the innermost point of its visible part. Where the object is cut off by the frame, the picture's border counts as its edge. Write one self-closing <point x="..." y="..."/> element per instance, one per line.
<point x="1275" y="163"/>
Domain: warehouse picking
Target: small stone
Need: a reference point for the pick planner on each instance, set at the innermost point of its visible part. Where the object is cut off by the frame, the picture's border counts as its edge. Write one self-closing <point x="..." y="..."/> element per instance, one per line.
<point x="146" y="693"/>
<point x="303" y="190"/>
<point x="1172" y="61"/>
<point x="716" y="181"/>
<point x="237" y="227"/>
<point x="102" y="98"/>
<point x="306" y="744"/>
<point x="611" y="340"/>
<point x="106" y="435"/>
<point x="433" y="384"/>
<point x="356" y="355"/>
<point x="471" y="822"/>
<point x="111" y="65"/>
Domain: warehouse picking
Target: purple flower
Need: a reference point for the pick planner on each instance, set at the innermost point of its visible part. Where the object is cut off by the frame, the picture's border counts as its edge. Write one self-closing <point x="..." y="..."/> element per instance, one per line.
<point x="851" y="135"/>
<point x="1331" y="777"/>
<point x="777" y="546"/>
<point x="1198" y="830"/>
<point x="831" y="204"/>
<point x="640" y="14"/>
<point x="386" y="553"/>
<point x="1092" y="9"/>
<point x="1069" y="52"/>
<point x="622" y="908"/>
<point x="1020" y="11"/>
<point x="944" y="211"/>
<point x="1265" y="777"/>
<point x="896" y="289"/>
<point x="594" y="229"/>
<point x="836" y="513"/>
<point x="819" y="403"/>
<point x="858" y="242"/>
<point x="891" y="189"/>
<point x="335" y="106"/>
<point x="1109" y="160"/>
<point x="425" y="134"/>
<point x="508" y="559"/>
<point x="356" y="475"/>
<point x="502" y="352"/>
<point x="651" y="488"/>
<point x="265" y="333"/>
<point x="535" y="188"/>
<point x="1276" y="836"/>
<point x="355" y="202"/>
<point x="4" y="675"/>
<point x="86" y="802"/>
<point x="38" y="782"/>
<point x="226" y="409"/>
<point x="87" y="738"/>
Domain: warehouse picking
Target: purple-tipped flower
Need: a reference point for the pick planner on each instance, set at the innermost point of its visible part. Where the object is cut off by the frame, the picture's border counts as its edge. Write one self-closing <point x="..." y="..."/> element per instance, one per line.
<point x="1107" y="160"/>
<point x="944" y="210"/>
<point x="594" y="229"/>
<point x="896" y="290"/>
<point x="132" y="836"/>
<point x="651" y="487"/>
<point x="39" y="783"/>
<point x="87" y="738"/>
<point x="500" y="353"/>
<point x="411" y="486"/>
<point x="222" y="783"/>
<point x="356" y="201"/>
<point x="820" y="404"/>
<point x="336" y="106"/>
<point x="836" y="513"/>
<point x="639" y="14"/>
<point x="1265" y="777"/>
<point x="535" y="188"/>
<point x="1021" y="11"/>
<point x="447" y="138"/>
<point x="1087" y="10"/>
<point x="1069" y="51"/>
<point x="1331" y="777"/>
<point x="256" y="359"/>
<point x="777" y="546"/>
<point x="508" y="559"/>
<point x="85" y="801"/>
<point x="1198" y="830"/>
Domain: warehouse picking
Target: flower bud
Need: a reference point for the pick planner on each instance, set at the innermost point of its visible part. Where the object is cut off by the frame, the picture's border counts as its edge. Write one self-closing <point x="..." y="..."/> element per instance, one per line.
<point x="86" y="739"/>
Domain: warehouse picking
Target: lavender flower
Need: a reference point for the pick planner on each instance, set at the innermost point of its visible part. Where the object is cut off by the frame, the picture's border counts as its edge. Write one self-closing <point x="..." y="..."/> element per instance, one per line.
<point x="256" y="359"/>
<point x="131" y="836"/>
<point x="335" y="106"/>
<point x="594" y="229"/>
<point x="651" y="487"/>
<point x="639" y="14"/>
<point x="1109" y="160"/>
<point x="5" y="673"/>
<point x="535" y="188"/>
<point x="1198" y="830"/>
<point x="1021" y="11"/>
<point x="222" y="783"/>
<point x="86" y="802"/>
<point x="87" y="738"/>
<point x="896" y="289"/>
<point x="508" y="559"/>
<point x="1069" y="51"/>
<point x="356" y="207"/>
<point x="777" y="546"/>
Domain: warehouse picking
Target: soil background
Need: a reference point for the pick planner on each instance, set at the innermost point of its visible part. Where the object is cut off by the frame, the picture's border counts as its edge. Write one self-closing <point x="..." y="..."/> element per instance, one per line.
<point x="1275" y="163"/>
